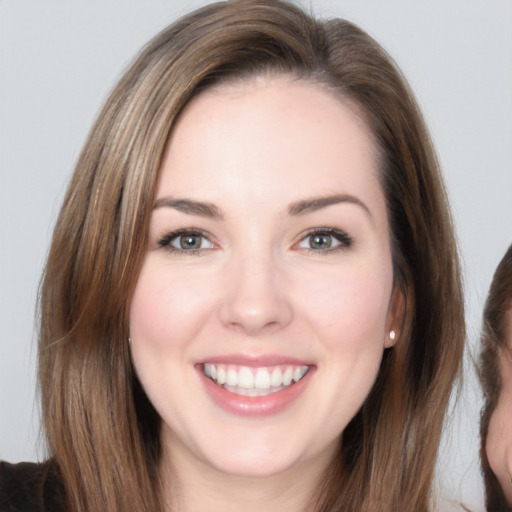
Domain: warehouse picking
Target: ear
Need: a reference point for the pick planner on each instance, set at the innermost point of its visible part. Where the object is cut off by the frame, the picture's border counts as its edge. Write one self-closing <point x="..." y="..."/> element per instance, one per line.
<point x="395" y="317"/>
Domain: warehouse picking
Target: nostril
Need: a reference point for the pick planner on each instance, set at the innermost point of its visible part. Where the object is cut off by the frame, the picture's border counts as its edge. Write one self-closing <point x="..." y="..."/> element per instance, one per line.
<point x="253" y="326"/>
<point x="253" y="299"/>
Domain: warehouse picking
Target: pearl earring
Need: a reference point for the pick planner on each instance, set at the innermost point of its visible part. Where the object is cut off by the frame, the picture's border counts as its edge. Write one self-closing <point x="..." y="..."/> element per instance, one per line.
<point x="392" y="335"/>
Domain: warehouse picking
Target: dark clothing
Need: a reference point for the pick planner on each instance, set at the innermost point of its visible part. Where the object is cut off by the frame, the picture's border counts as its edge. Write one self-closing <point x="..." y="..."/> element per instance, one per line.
<point x="30" y="487"/>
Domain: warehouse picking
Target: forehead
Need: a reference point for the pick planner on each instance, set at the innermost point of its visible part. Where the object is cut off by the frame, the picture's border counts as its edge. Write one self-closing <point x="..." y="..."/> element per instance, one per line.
<point x="269" y="136"/>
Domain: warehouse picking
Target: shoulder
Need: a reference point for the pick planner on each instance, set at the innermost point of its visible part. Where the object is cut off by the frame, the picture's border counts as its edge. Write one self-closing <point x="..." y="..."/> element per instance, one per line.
<point x="30" y="487"/>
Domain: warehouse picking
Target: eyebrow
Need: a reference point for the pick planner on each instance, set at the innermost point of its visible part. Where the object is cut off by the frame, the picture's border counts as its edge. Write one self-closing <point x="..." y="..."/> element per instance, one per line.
<point x="302" y="207"/>
<point x="190" y="207"/>
<point x="306" y="206"/>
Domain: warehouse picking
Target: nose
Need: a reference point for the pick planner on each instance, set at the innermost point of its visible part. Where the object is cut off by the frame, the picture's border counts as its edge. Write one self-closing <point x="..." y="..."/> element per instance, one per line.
<point x="256" y="297"/>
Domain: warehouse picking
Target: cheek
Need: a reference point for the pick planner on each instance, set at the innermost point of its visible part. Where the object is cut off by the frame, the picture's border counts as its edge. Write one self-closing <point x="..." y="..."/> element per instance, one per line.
<point x="165" y="309"/>
<point x="348" y="318"/>
<point x="354" y="304"/>
<point x="499" y="436"/>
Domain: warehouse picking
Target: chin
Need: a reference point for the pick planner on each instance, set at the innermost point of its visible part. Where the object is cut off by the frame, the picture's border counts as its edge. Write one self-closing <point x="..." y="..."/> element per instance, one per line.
<point x="259" y="467"/>
<point x="251" y="457"/>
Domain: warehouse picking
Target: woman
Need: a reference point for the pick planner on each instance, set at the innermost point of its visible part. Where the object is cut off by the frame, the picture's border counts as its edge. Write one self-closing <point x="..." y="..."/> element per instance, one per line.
<point x="252" y="297"/>
<point x="496" y="377"/>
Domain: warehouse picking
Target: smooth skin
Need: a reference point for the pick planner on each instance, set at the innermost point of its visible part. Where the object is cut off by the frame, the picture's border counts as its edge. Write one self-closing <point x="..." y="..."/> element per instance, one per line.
<point x="498" y="444"/>
<point x="250" y="279"/>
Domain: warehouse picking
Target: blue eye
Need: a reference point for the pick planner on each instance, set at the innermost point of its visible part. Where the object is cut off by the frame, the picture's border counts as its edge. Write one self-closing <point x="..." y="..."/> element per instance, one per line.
<point x="185" y="241"/>
<point x="325" y="239"/>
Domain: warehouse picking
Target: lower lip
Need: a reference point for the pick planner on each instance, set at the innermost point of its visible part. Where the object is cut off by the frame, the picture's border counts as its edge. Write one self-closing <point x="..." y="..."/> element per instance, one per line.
<point x="255" y="406"/>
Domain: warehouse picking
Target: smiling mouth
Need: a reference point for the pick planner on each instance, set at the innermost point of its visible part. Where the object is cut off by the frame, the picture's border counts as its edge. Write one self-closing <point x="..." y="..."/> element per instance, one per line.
<point x="248" y="381"/>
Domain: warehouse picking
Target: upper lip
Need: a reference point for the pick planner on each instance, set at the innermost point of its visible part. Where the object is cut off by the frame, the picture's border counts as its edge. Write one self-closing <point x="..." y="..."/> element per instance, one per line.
<point x="255" y="361"/>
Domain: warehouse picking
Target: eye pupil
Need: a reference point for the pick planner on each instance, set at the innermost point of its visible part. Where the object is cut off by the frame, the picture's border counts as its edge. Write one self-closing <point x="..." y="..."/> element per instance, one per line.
<point x="320" y="241"/>
<point x="189" y="241"/>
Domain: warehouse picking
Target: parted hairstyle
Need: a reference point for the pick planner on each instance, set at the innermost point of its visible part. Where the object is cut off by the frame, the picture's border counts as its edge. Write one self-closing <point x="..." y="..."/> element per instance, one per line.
<point x="102" y="432"/>
<point x="497" y="310"/>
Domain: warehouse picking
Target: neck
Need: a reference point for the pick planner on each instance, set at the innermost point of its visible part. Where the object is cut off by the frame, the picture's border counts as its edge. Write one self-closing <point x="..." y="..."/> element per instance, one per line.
<point x="191" y="484"/>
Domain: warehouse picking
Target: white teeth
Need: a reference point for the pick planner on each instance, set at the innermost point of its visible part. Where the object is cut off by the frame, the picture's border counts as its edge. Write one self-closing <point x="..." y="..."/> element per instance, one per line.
<point x="232" y="378"/>
<point x="299" y="372"/>
<point x="240" y="391"/>
<point x="276" y="379"/>
<point x="221" y="376"/>
<point x="245" y="378"/>
<point x="287" y="376"/>
<point x="252" y="392"/>
<point x="250" y="381"/>
<point x="262" y="379"/>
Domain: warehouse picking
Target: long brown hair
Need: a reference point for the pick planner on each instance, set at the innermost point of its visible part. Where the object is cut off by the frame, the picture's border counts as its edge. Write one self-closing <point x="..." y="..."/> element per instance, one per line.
<point x="498" y="308"/>
<point x="102" y="431"/>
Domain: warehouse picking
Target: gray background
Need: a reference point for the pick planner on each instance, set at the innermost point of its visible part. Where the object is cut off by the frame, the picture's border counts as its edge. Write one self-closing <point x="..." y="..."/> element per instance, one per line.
<point x="58" y="60"/>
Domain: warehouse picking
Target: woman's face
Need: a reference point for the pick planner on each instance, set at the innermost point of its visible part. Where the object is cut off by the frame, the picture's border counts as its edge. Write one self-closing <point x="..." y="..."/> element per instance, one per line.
<point x="499" y="436"/>
<point x="265" y="300"/>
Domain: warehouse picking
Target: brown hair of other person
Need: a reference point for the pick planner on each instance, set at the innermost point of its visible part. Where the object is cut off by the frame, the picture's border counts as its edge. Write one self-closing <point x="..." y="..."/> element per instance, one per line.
<point x="493" y="341"/>
<point x="102" y="431"/>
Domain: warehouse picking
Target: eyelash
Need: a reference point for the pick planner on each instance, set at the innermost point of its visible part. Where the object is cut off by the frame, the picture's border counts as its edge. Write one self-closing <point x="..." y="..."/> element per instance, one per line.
<point x="345" y="240"/>
<point x="166" y="241"/>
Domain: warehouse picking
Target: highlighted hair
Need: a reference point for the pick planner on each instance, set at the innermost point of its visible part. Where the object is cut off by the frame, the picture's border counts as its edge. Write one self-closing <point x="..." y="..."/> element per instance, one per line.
<point x="102" y="432"/>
